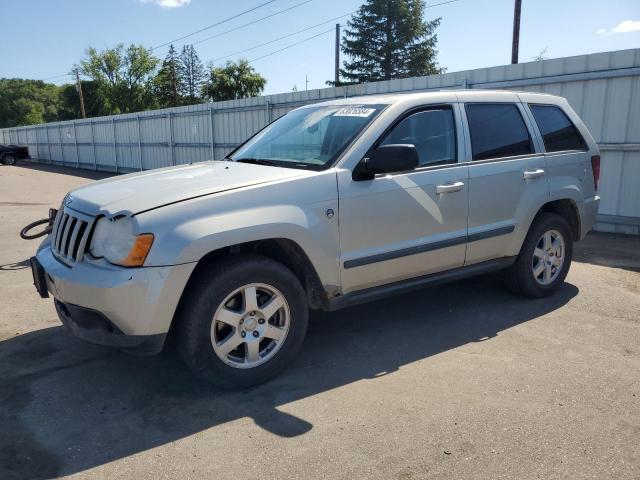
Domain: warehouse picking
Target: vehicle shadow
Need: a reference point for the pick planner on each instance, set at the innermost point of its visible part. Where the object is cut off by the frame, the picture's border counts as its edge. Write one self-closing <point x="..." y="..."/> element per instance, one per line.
<point x="15" y="265"/>
<point x="62" y="170"/>
<point x="609" y="250"/>
<point x="67" y="406"/>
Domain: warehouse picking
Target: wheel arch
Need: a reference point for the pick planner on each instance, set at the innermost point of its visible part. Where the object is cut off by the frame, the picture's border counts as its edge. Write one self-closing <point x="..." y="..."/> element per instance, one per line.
<point x="568" y="209"/>
<point x="282" y="250"/>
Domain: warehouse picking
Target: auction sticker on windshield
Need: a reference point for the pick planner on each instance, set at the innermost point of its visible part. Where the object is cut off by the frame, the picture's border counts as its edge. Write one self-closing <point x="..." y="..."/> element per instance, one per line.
<point x="354" y="112"/>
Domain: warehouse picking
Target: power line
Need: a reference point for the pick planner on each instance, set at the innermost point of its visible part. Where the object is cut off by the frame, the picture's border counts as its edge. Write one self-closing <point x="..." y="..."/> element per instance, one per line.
<point x="283" y="37"/>
<point x="214" y="24"/>
<point x="441" y="3"/>
<point x="292" y="45"/>
<point x="251" y="23"/>
<point x="312" y="37"/>
<point x="56" y="76"/>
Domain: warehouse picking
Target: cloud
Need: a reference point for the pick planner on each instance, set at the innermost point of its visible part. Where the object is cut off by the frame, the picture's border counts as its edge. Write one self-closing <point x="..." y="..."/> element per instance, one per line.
<point x="168" y="3"/>
<point x="628" y="26"/>
<point x="625" y="26"/>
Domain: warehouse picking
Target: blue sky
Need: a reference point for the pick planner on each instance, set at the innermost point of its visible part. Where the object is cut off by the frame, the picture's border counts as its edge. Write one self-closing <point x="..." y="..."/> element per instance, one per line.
<point x="45" y="38"/>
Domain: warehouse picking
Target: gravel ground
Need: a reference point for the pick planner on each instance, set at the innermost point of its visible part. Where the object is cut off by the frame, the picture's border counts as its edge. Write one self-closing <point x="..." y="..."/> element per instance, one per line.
<point x="457" y="381"/>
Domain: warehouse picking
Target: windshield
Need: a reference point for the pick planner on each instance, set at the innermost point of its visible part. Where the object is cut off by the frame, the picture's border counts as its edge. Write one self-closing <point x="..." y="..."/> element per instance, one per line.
<point x="311" y="137"/>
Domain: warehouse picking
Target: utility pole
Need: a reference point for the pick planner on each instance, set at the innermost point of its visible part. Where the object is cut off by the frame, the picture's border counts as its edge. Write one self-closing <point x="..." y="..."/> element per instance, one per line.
<point x="337" y="66"/>
<point x="515" y="45"/>
<point x="79" y="87"/>
<point x="306" y="82"/>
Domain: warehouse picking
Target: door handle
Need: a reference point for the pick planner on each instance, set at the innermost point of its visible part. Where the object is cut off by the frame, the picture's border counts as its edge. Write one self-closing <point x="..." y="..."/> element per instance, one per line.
<point x="533" y="174"/>
<point x="449" y="187"/>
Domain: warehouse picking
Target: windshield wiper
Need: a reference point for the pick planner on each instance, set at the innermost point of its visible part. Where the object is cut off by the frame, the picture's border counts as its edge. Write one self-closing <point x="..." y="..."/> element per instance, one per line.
<point x="259" y="161"/>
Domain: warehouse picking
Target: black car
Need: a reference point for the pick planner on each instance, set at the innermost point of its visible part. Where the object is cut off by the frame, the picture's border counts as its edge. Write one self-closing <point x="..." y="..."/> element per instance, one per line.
<point x="10" y="154"/>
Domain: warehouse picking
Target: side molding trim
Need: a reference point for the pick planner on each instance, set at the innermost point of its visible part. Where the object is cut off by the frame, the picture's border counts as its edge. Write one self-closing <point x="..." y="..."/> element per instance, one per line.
<point x="428" y="247"/>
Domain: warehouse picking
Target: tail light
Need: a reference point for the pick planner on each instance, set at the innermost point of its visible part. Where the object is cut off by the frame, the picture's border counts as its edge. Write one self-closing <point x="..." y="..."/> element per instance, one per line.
<point x="595" y="166"/>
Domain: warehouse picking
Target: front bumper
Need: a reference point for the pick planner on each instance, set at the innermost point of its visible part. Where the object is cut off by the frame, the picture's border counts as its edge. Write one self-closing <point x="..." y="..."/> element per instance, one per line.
<point x="135" y="302"/>
<point x="94" y="327"/>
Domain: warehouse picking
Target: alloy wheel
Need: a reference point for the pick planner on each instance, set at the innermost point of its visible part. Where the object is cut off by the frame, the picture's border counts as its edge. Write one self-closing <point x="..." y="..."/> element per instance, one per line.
<point x="548" y="257"/>
<point x="250" y="325"/>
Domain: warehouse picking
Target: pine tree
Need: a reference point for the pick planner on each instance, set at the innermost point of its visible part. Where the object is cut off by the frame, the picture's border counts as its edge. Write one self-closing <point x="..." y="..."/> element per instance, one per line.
<point x="169" y="82"/>
<point x="389" y="39"/>
<point x="193" y="73"/>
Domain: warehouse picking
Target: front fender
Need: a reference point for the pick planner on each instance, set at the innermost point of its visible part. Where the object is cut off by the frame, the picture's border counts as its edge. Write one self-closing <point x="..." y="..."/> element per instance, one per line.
<point x="188" y="231"/>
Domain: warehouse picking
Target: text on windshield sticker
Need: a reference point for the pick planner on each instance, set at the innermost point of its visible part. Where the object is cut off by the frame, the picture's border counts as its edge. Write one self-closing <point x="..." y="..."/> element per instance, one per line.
<point x="354" y="112"/>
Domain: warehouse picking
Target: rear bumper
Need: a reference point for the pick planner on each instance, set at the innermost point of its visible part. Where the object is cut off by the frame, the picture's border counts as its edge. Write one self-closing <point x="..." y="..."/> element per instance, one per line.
<point x="589" y="215"/>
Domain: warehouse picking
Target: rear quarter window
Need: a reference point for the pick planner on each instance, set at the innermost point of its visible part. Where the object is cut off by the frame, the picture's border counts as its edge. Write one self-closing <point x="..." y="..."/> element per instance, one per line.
<point x="558" y="132"/>
<point x="497" y="130"/>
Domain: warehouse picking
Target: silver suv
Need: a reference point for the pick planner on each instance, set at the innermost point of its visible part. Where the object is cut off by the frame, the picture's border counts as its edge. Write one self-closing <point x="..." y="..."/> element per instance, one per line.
<point x="331" y="205"/>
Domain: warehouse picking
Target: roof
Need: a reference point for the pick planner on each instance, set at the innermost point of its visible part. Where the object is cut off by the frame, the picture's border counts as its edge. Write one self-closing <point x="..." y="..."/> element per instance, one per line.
<point x="463" y="95"/>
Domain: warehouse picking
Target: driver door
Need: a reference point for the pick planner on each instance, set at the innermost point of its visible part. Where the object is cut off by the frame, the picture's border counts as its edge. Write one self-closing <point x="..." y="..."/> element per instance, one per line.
<point x="402" y="225"/>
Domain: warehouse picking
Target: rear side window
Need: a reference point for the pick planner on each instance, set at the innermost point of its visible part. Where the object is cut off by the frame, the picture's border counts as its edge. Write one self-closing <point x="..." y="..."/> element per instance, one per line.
<point x="557" y="130"/>
<point x="497" y="130"/>
<point x="433" y="134"/>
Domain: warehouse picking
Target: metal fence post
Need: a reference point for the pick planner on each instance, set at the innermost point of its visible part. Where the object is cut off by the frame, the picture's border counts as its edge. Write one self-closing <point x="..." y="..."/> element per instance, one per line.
<point x="35" y="129"/>
<point x="115" y="147"/>
<point x="139" y="142"/>
<point x="93" y="145"/>
<point x="46" y="129"/>
<point x="269" y="112"/>
<point x="75" y="139"/>
<point x="213" y="155"/>
<point x="173" y="158"/>
<point x="64" y="159"/>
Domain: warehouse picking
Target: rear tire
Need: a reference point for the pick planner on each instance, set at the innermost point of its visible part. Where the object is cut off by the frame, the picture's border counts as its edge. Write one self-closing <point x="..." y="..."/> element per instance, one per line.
<point x="9" y="159"/>
<point x="242" y="322"/>
<point x="544" y="259"/>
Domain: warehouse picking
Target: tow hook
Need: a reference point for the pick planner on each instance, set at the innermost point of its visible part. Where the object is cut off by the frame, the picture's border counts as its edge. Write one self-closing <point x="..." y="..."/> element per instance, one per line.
<point x="45" y="231"/>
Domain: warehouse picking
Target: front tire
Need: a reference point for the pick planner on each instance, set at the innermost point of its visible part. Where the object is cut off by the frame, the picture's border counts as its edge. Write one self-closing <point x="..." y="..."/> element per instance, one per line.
<point x="544" y="259"/>
<point x="9" y="159"/>
<point x="242" y="322"/>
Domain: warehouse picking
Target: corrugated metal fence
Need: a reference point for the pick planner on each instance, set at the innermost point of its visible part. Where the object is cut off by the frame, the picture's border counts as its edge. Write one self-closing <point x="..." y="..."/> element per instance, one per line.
<point x="604" y="89"/>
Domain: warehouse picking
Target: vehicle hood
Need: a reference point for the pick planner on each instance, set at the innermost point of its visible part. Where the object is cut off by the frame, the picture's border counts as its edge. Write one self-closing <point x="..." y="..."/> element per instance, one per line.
<point x="139" y="192"/>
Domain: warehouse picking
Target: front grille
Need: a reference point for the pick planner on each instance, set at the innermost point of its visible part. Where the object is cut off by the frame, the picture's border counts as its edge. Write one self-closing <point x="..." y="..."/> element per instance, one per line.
<point x="70" y="235"/>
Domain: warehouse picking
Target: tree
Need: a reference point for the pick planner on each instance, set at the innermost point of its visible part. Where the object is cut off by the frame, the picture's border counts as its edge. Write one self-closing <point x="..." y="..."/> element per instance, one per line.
<point x="193" y="74"/>
<point x="125" y="74"/>
<point x="389" y="39"/>
<point x="542" y="55"/>
<point x="169" y="83"/>
<point x="27" y="102"/>
<point x="95" y="100"/>
<point x="233" y="81"/>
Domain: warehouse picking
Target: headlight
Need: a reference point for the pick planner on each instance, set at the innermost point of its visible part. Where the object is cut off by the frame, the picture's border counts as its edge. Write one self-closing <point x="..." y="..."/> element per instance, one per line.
<point x="115" y="240"/>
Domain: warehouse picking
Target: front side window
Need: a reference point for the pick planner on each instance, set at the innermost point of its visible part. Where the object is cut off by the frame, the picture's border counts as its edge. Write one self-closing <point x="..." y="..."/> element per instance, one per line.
<point x="310" y="137"/>
<point x="431" y="131"/>
<point x="497" y="130"/>
<point x="557" y="131"/>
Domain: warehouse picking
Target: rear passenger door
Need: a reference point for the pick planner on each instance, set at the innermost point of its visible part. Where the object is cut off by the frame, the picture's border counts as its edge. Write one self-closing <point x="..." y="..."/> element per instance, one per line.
<point x="507" y="178"/>
<point x="567" y="154"/>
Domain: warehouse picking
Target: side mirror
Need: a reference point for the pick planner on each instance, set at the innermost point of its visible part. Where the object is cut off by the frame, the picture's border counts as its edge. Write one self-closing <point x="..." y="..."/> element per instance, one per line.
<point x="387" y="159"/>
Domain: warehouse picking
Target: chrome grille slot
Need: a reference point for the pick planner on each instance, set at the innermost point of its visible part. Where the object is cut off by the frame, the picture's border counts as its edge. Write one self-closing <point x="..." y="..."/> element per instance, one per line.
<point x="70" y="235"/>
